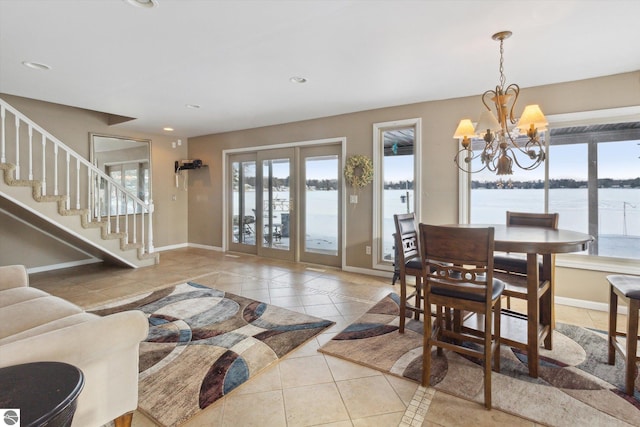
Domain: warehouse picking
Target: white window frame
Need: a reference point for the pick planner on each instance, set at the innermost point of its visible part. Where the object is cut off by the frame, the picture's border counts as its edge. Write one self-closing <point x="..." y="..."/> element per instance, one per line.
<point x="378" y="182"/>
<point x="584" y="262"/>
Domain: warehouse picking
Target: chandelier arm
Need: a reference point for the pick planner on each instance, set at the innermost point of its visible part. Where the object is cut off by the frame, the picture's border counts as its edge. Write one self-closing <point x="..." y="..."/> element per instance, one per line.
<point x="468" y="159"/>
<point x="490" y="92"/>
<point x="538" y="160"/>
<point x="530" y="145"/>
<point x="515" y="90"/>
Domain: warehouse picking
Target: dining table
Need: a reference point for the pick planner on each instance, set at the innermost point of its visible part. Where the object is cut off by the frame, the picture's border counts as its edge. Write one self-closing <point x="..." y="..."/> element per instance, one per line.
<point x="528" y="331"/>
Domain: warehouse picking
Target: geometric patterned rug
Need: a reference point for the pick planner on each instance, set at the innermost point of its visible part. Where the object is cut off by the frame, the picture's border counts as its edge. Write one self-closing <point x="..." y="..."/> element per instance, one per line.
<point x="576" y="385"/>
<point x="203" y="343"/>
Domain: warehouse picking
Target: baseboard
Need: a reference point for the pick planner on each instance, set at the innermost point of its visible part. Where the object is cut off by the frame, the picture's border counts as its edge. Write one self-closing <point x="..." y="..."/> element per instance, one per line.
<point x="62" y="265"/>
<point x="590" y="305"/>
<point x="368" y="271"/>
<point x="207" y="247"/>
<point x="171" y="247"/>
<point x="189" y="245"/>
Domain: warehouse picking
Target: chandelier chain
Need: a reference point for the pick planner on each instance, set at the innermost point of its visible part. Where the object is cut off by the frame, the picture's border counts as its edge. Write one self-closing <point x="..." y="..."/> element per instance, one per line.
<point x="503" y="79"/>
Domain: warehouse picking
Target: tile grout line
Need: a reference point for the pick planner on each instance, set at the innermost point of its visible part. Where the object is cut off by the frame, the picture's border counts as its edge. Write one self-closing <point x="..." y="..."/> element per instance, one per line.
<point x="417" y="410"/>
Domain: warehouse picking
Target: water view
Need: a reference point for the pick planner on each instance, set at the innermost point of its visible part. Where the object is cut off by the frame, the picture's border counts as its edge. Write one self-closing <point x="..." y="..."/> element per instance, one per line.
<point x="618" y="209"/>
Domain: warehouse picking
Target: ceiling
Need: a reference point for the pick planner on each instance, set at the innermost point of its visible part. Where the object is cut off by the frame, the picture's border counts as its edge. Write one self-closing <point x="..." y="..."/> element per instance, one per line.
<point x="235" y="58"/>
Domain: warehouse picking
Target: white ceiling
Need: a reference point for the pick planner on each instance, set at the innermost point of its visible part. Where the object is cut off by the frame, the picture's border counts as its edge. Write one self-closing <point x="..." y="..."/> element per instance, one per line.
<point x="235" y="58"/>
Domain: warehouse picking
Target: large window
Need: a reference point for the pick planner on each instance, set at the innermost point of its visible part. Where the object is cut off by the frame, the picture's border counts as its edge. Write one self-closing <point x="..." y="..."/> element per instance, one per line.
<point x="591" y="178"/>
<point x="396" y="150"/>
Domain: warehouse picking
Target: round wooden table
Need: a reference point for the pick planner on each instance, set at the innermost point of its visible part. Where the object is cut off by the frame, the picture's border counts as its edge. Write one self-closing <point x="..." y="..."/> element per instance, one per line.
<point x="540" y="318"/>
<point x="45" y="393"/>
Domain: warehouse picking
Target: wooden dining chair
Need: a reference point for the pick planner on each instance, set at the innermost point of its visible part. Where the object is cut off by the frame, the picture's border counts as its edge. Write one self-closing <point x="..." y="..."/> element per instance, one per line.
<point x="409" y="264"/>
<point x="458" y="276"/>
<point x="626" y="288"/>
<point x="513" y="269"/>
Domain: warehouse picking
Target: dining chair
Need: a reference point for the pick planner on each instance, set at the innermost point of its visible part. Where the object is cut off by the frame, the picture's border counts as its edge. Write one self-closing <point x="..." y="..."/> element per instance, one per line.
<point x="513" y="269"/>
<point x="458" y="276"/>
<point x="409" y="264"/>
<point x="627" y="289"/>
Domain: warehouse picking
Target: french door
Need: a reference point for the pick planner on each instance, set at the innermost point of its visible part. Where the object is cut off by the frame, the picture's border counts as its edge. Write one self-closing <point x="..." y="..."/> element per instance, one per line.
<point x="286" y="203"/>
<point x="320" y="205"/>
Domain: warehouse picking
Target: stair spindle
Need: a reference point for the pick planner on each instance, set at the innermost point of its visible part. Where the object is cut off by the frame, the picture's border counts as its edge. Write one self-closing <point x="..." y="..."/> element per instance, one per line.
<point x="17" y="148"/>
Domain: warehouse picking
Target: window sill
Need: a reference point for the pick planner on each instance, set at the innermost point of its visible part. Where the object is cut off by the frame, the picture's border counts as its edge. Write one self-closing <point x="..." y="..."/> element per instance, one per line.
<point x="596" y="263"/>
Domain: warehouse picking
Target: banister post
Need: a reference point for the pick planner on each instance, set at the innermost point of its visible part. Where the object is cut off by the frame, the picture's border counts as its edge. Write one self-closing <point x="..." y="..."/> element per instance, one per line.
<point x="150" y="225"/>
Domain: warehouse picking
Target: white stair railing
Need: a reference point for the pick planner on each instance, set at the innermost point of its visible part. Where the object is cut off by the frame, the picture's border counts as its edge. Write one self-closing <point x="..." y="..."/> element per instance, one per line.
<point x="84" y="186"/>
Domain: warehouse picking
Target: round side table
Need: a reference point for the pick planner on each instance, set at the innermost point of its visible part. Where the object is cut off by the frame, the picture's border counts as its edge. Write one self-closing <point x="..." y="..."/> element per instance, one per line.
<point x="45" y="392"/>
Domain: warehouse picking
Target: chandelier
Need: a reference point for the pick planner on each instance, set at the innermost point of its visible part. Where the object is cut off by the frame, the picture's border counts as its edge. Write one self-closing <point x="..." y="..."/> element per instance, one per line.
<point x="502" y="143"/>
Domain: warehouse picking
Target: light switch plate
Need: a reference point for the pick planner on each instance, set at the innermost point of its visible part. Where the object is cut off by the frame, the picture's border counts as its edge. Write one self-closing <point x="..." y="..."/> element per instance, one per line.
<point x="353" y="198"/>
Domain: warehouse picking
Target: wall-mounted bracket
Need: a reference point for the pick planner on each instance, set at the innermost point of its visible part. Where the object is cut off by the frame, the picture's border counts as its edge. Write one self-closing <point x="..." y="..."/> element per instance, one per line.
<point x="188" y="164"/>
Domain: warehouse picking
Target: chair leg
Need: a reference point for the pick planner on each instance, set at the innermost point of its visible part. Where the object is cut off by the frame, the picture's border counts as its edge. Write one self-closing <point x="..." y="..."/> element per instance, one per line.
<point x="487" y="360"/>
<point x="613" y="320"/>
<point x="123" y="420"/>
<point x="403" y="303"/>
<point x="632" y="345"/>
<point x="426" y="350"/>
<point x="496" y="335"/>
<point x="418" y="303"/>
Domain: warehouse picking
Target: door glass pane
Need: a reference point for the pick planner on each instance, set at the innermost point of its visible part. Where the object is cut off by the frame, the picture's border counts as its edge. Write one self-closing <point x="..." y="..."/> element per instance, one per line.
<point x="243" y="202"/>
<point x="398" y="195"/>
<point x="321" y="205"/>
<point x="275" y="203"/>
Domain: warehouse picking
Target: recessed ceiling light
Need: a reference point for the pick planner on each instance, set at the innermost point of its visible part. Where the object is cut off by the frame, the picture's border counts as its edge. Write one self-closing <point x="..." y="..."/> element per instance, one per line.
<point x="168" y="129"/>
<point x="36" y="65"/>
<point x="297" y="79"/>
<point x="143" y="3"/>
<point x="194" y="106"/>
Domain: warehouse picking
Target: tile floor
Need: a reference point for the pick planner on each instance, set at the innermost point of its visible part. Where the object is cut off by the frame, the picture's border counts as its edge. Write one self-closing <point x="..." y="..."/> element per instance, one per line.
<point x="306" y="388"/>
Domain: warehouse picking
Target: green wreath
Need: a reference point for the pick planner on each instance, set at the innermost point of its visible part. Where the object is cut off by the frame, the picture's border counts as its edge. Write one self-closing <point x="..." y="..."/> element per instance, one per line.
<point x="358" y="171"/>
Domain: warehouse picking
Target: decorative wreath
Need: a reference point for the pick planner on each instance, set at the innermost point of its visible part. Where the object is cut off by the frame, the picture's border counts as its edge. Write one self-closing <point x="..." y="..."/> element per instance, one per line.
<point x="358" y="171"/>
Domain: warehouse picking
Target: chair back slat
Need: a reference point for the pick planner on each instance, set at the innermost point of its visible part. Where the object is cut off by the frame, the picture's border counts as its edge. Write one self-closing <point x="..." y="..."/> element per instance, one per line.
<point x="458" y="259"/>
<point x="407" y="237"/>
<point x="529" y="219"/>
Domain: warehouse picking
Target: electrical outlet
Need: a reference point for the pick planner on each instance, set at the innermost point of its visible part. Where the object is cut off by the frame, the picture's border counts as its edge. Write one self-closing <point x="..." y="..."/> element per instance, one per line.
<point x="367" y="250"/>
<point x="353" y="198"/>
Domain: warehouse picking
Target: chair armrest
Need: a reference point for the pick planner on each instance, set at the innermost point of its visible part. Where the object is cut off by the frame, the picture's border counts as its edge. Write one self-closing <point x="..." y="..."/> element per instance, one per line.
<point x="13" y="276"/>
<point x="81" y="343"/>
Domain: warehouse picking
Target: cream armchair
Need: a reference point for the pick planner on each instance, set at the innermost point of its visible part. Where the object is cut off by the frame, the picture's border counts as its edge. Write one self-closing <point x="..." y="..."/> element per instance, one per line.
<point x="36" y="326"/>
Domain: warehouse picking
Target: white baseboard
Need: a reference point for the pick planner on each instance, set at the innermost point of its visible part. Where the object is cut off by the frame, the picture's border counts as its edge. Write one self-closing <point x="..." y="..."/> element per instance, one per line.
<point x="207" y="247"/>
<point x="370" y="272"/>
<point x="189" y="245"/>
<point x="590" y="305"/>
<point x="171" y="247"/>
<point x="52" y="267"/>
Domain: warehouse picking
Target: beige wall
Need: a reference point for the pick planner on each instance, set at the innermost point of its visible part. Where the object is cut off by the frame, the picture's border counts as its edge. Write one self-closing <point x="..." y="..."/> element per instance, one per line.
<point x="72" y="126"/>
<point x="439" y="175"/>
<point x="22" y="244"/>
<point x="200" y="220"/>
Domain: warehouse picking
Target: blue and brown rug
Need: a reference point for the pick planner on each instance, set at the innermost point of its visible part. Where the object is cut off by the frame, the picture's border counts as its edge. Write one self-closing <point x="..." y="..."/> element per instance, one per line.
<point x="576" y="386"/>
<point x="203" y="343"/>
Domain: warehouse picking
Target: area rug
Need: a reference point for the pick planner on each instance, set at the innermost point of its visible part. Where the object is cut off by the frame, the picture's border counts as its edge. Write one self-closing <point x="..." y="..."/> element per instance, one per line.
<point x="576" y="385"/>
<point x="203" y="343"/>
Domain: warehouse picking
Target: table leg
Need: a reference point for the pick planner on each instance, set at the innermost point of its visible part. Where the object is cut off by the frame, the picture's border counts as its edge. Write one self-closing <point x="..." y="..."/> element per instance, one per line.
<point x="533" y="314"/>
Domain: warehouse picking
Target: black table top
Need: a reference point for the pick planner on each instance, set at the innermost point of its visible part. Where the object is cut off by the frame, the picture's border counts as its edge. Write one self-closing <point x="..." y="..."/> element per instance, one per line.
<point x="41" y="390"/>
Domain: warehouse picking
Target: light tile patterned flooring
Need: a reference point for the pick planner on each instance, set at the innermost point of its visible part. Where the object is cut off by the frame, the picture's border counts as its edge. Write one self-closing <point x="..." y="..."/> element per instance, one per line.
<point x="306" y="388"/>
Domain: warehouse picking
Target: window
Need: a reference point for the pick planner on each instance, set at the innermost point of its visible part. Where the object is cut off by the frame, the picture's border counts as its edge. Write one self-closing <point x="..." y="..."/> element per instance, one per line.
<point x="591" y="178"/>
<point x="396" y="181"/>
<point x="133" y="176"/>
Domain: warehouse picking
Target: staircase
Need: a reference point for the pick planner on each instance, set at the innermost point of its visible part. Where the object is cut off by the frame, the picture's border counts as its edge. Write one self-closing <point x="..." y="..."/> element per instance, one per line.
<point x="49" y="181"/>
